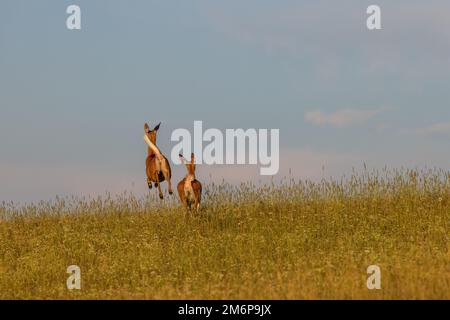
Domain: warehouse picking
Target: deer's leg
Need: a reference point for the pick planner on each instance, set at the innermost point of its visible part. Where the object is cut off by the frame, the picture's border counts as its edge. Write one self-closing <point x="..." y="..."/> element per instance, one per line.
<point x="170" y="186"/>
<point x="159" y="187"/>
<point x="149" y="183"/>
<point x="197" y="199"/>
<point x="184" y="202"/>
<point x="165" y="169"/>
<point x="180" y="189"/>
<point x="195" y="203"/>
<point x="148" y="174"/>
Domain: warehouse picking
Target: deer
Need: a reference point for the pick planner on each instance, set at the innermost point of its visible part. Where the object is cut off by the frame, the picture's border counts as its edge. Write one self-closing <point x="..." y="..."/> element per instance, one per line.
<point x="157" y="165"/>
<point x="190" y="189"/>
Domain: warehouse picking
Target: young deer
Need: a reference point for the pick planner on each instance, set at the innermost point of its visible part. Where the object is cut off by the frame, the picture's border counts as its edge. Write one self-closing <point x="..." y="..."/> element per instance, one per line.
<point x="190" y="189"/>
<point x="157" y="166"/>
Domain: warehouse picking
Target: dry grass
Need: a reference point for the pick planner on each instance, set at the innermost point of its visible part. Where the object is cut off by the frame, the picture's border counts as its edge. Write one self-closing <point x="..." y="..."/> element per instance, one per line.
<point x="294" y="240"/>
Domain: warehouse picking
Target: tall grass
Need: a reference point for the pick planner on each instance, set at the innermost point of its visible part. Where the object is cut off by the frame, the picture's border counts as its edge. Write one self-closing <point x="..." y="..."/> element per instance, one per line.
<point x="290" y="240"/>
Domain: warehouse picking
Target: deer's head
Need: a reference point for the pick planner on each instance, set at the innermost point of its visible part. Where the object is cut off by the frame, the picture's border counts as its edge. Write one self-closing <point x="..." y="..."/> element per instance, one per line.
<point x="151" y="134"/>
<point x="190" y="166"/>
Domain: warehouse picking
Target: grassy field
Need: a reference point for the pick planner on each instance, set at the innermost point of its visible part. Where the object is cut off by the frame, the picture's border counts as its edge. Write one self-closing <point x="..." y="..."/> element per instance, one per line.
<point x="290" y="240"/>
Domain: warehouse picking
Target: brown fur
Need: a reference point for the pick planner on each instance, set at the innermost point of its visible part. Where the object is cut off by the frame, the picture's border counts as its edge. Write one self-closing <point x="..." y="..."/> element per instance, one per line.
<point x="157" y="166"/>
<point x="190" y="189"/>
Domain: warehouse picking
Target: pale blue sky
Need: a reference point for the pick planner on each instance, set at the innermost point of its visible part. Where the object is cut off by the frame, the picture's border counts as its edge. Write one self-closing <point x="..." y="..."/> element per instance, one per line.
<point x="73" y="103"/>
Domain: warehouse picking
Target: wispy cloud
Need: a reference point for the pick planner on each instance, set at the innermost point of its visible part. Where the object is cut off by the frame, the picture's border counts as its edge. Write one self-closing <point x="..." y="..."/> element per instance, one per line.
<point x="440" y="128"/>
<point x="340" y="118"/>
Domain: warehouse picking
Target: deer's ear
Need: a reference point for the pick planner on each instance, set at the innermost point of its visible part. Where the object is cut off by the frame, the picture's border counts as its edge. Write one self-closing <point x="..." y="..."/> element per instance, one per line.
<point x="146" y="128"/>
<point x="157" y="127"/>
<point x="182" y="160"/>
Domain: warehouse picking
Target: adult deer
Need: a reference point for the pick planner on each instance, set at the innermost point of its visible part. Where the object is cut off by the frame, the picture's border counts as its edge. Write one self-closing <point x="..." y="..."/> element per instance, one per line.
<point x="190" y="189"/>
<point x="157" y="166"/>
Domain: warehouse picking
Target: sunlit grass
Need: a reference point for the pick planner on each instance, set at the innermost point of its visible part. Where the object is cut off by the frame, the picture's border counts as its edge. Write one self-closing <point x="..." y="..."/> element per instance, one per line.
<point x="290" y="240"/>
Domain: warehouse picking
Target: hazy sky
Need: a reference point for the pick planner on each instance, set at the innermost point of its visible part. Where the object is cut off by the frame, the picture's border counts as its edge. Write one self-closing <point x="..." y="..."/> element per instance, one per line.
<point x="73" y="103"/>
